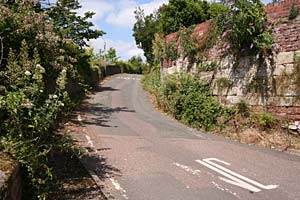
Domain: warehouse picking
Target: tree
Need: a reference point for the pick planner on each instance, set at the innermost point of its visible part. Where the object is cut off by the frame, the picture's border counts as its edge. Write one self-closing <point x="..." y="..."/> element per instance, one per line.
<point x="70" y="25"/>
<point x="216" y="9"/>
<point x="248" y="23"/>
<point x="144" y="30"/>
<point x="181" y="13"/>
<point x="111" y="55"/>
<point x="136" y="61"/>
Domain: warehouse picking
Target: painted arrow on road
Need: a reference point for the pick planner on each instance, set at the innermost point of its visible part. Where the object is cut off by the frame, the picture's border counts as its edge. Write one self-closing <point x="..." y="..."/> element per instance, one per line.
<point x="233" y="177"/>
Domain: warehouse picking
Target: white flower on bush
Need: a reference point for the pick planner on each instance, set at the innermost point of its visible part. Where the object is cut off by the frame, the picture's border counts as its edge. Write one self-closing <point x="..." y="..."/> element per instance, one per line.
<point x="27" y="104"/>
<point x="40" y="68"/>
<point x="61" y="80"/>
<point x="27" y="73"/>
<point x="54" y="96"/>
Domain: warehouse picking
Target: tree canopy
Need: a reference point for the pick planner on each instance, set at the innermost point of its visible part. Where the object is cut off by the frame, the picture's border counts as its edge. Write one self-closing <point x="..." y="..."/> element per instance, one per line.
<point x="144" y="30"/>
<point x="181" y="13"/>
<point x="111" y="55"/>
<point x="70" y="25"/>
<point x="169" y="18"/>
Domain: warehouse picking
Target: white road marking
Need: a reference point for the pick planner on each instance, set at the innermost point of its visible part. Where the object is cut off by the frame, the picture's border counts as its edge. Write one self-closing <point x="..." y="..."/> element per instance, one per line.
<point x="234" y="178"/>
<point x="90" y="142"/>
<point x="266" y="187"/>
<point x="225" y="190"/>
<point x="119" y="188"/>
<point x="187" y="168"/>
<point x="128" y="78"/>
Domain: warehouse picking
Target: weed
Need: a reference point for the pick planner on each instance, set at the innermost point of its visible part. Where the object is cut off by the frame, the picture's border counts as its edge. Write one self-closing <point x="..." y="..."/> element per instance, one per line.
<point x="243" y="108"/>
<point x="265" y="120"/>
<point x="293" y="12"/>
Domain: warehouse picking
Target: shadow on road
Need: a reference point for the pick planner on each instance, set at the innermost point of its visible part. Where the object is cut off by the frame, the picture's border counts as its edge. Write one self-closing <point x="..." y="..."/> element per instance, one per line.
<point x="90" y="113"/>
<point x="98" y="164"/>
<point x="73" y="181"/>
<point x="103" y="88"/>
<point x="72" y="172"/>
<point x="96" y="114"/>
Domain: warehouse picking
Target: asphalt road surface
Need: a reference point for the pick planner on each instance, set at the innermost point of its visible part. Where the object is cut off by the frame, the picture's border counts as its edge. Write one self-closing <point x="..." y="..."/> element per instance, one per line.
<point x="141" y="154"/>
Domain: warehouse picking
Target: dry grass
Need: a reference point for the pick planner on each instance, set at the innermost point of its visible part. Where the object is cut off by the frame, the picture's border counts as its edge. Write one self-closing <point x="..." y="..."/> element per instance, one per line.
<point x="247" y="131"/>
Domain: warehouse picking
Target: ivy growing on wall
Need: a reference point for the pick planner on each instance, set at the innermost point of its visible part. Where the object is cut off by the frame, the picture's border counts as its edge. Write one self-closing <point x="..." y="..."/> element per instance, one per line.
<point x="188" y="43"/>
<point x="170" y="50"/>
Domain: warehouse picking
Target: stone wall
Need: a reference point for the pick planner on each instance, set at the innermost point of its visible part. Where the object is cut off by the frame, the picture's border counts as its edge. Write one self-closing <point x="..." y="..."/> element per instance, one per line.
<point x="273" y="87"/>
<point x="10" y="181"/>
<point x="272" y="83"/>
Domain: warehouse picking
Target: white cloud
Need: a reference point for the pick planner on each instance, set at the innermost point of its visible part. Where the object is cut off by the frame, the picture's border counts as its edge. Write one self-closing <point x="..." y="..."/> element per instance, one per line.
<point x="124" y="49"/>
<point x="153" y="5"/>
<point x="118" y="13"/>
<point x="100" y="7"/>
<point x="123" y="15"/>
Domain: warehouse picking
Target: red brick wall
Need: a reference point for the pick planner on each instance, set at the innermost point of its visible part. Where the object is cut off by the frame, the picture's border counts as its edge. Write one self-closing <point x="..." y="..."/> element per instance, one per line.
<point x="286" y="32"/>
<point x="281" y="9"/>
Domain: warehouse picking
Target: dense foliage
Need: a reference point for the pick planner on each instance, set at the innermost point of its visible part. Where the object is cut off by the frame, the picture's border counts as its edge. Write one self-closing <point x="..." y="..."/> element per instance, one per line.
<point x="70" y="25"/>
<point x="190" y="101"/>
<point x="169" y="18"/>
<point x="243" y="23"/>
<point x="248" y="26"/>
<point x="187" y="98"/>
<point x="144" y="30"/>
<point x="182" y="13"/>
<point x="134" y="65"/>
<point x="43" y="69"/>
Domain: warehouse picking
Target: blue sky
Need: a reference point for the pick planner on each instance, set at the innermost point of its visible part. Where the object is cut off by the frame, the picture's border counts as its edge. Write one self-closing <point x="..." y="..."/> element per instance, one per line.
<point x="116" y="18"/>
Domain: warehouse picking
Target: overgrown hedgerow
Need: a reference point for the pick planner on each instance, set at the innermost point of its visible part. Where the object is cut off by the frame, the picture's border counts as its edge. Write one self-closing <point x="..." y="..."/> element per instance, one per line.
<point x="190" y="101"/>
<point x="187" y="98"/>
<point x="36" y="62"/>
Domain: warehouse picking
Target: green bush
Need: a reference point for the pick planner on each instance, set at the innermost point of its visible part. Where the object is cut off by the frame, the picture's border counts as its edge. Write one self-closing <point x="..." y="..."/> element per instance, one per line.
<point x="206" y="66"/>
<point x="265" y="120"/>
<point x="151" y="81"/>
<point x="193" y="104"/>
<point x="128" y="68"/>
<point x="37" y="62"/>
<point x="187" y="98"/>
<point x="28" y="114"/>
<point x="224" y="82"/>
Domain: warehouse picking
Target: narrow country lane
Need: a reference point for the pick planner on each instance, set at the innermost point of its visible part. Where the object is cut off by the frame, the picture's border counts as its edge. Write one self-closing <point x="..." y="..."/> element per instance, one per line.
<point x="141" y="154"/>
